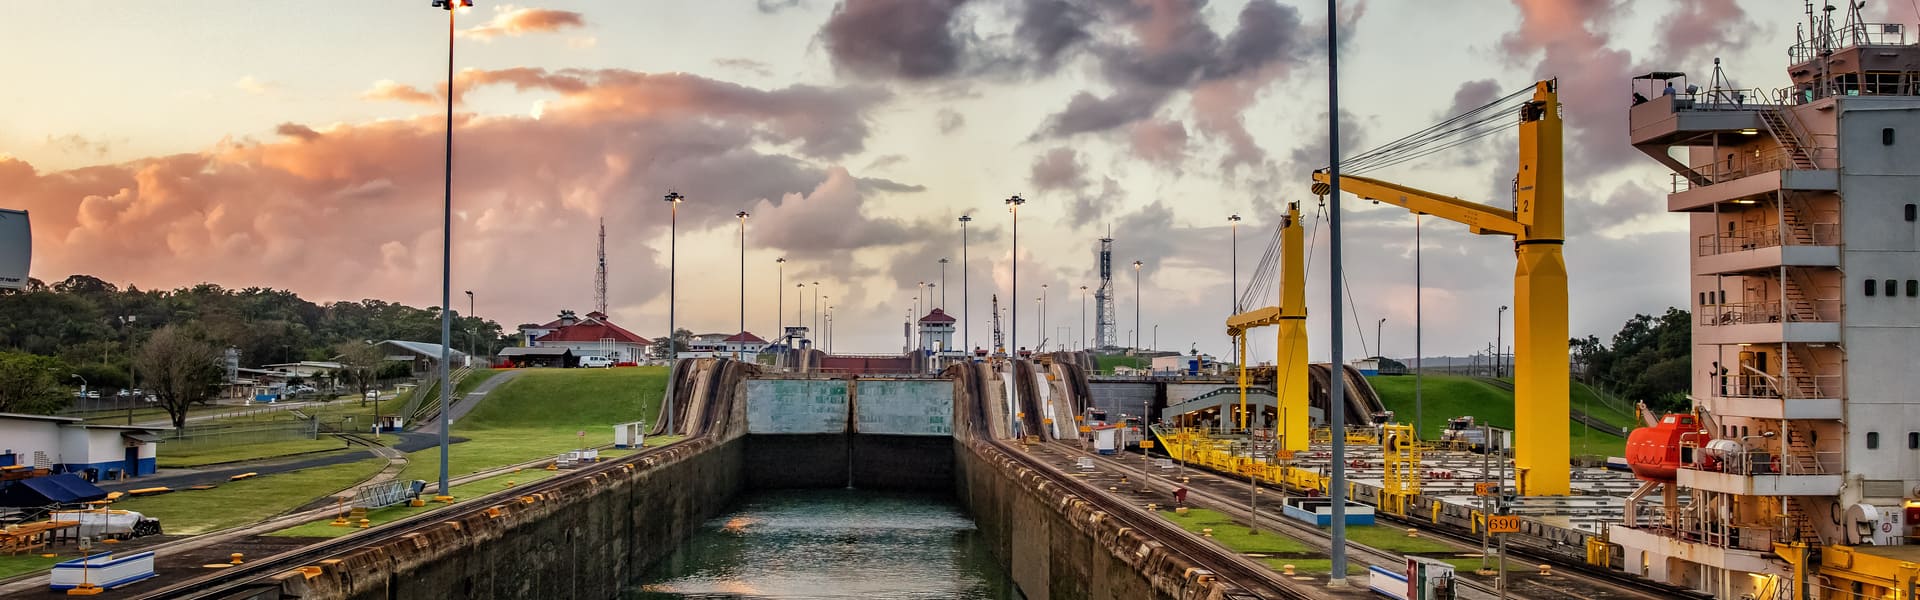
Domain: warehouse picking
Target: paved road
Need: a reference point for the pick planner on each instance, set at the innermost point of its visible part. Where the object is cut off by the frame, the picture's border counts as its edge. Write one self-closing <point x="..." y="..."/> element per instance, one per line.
<point x="184" y="478"/>
<point x="465" y="404"/>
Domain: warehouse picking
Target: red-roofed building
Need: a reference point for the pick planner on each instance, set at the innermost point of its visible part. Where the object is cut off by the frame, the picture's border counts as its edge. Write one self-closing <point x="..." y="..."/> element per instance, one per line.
<point x="593" y="335"/>
<point x="936" y="333"/>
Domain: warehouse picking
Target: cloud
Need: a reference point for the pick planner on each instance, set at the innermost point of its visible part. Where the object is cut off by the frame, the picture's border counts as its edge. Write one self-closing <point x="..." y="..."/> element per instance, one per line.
<point x="949" y="120"/>
<point x="297" y="131"/>
<point x="1159" y="141"/>
<point x="1051" y="27"/>
<point x="254" y="86"/>
<point x="1059" y="168"/>
<point x="353" y="211"/>
<point x="510" y="21"/>
<point x="825" y="122"/>
<point x="390" y="90"/>
<point x="1693" y="29"/>
<point x="1557" y="38"/>
<point x="776" y="6"/>
<point x="745" y="64"/>
<point x="74" y="143"/>
<point x="906" y="39"/>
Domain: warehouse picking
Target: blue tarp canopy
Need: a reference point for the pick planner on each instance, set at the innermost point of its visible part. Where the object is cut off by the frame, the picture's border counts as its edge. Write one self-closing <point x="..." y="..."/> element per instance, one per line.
<point x="65" y="488"/>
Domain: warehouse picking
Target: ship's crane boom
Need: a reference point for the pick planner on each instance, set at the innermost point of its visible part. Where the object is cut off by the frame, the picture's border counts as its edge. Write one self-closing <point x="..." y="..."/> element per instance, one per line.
<point x="1541" y="383"/>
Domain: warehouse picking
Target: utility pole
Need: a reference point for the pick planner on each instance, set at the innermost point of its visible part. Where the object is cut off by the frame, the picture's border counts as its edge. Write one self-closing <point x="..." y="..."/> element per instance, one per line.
<point x="943" y="284"/>
<point x="1418" y="291"/>
<point x="1136" y="305"/>
<point x="743" y="284"/>
<point x="1336" y="394"/>
<point x="1013" y="299"/>
<point x="673" y="200"/>
<point x="1499" y="328"/>
<point x="966" y="289"/>
<point x="1378" y="349"/>
<point x="780" y="303"/>
<point x="1083" y="318"/>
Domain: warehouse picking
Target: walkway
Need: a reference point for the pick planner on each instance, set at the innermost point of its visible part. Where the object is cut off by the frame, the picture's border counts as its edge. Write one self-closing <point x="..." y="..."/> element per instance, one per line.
<point x="464" y="404"/>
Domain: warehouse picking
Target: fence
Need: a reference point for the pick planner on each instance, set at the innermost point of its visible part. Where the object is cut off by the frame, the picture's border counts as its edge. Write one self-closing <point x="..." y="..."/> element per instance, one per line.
<point x="252" y="432"/>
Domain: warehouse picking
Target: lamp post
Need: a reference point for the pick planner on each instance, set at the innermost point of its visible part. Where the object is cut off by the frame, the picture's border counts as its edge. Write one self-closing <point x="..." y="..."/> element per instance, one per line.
<point x="1499" y="326"/>
<point x="816" y="312"/>
<point x="673" y="200"/>
<point x="743" y="283"/>
<point x="1083" y="317"/>
<point x="133" y="366"/>
<point x="1418" y="291"/>
<point x="780" y="303"/>
<point x="1043" y="315"/>
<point x="1136" y="304"/>
<point x="1013" y="206"/>
<point x="469" y="329"/>
<point x="1379" y="349"/>
<point x="83" y="384"/>
<point x="943" y="284"/>
<point x="1337" y="488"/>
<point x="966" y="315"/>
<point x="919" y="293"/>
<point x="446" y="258"/>
<point x="826" y="327"/>
<point x="799" y="305"/>
<point x="1233" y="221"/>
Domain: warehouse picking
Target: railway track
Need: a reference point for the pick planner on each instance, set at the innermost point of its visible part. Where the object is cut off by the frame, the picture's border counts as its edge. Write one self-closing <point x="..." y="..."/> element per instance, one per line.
<point x="1227" y="495"/>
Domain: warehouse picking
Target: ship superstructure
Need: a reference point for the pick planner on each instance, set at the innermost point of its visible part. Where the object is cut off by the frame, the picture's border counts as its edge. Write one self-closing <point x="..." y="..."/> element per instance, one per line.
<point x="1805" y="281"/>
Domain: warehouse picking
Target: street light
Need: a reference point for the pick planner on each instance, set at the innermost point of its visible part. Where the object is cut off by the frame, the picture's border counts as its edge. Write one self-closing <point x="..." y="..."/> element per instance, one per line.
<point x="816" y="312"/>
<point x="1233" y="222"/>
<point x="943" y="284"/>
<point x="673" y="200"/>
<point x="1378" y="349"/>
<point x="446" y="259"/>
<point x="1043" y="314"/>
<point x="469" y="329"/>
<point x="133" y="365"/>
<point x="743" y="283"/>
<point x="1013" y="206"/>
<point x="966" y="314"/>
<point x="1136" y="304"/>
<point x="799" y="305"/>
<point x="1499" y="325"/>
<point x="1083" y="317"/>
<point x="780" y="301"/>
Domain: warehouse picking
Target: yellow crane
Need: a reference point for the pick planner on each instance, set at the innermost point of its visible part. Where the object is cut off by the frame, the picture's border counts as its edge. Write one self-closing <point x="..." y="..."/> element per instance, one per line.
<point x="1539" y="284"/>
<point x="1290" y="372"/>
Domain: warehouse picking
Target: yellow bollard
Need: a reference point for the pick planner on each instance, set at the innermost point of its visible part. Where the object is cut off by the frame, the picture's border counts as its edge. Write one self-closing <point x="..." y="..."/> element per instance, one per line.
<point x="366" y="523"/>
<point x="1286" y="570"/>
<point x="509" y="483"/>
<point x="1206" y="532"/>
<point x="1546" y="570"/>
<point x="237" y="558"/>
<point x="1411" y="532"/>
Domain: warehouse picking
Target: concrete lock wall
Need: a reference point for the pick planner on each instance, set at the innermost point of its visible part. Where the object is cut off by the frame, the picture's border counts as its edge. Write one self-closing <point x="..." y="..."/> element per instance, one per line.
<point x="584" y="540"/>
<point x="880" y="434"/>
<point x="1123" y="397"/>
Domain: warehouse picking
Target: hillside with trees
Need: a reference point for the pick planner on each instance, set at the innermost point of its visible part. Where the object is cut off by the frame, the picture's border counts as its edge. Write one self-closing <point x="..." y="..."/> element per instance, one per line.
<point x="88" y="327"/>
<point x="1647" y="360"/>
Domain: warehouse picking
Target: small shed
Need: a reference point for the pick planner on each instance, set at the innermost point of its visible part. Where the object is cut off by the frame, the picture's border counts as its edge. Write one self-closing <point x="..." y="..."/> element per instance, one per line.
<point x="538" y="357"/>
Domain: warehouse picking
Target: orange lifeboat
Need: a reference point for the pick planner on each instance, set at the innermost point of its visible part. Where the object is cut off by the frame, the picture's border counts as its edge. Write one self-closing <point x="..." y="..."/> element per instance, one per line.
<point x="1654" y="452"/>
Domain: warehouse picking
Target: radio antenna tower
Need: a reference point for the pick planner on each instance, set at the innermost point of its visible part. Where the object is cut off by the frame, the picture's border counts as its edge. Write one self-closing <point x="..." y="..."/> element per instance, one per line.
<point x="1104" y="318"/>
<point x="600" y="272"/>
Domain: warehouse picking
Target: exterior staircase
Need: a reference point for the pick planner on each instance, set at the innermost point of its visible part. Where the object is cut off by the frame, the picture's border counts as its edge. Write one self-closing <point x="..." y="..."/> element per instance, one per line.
<point x="1800" y="519"/>
<point x="1800" y="307"/>
<point x="1779" y="122"/>
<point x="1799" y="458"/>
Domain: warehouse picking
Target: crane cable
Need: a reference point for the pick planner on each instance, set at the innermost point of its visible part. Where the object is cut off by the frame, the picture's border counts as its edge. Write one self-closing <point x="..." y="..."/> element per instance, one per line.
<point x="1463" y="128"/>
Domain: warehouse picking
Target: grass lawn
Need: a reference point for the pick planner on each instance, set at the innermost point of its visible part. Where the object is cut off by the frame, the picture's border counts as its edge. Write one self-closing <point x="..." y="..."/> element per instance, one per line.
<point x="539" y="413"/>
<point x="325" y="529"/>
<point x="1233" y="534"/>
<point x="1104" y="363"/>
<point x="194" y="455"/>
<point x="473" y="380"/>
<point x="1394" y="539"/>
<point x="11" y="566"/>
<point x="1447" y="396"/>
<point x="239" y="502"/>
<point x="1320" y="566"/>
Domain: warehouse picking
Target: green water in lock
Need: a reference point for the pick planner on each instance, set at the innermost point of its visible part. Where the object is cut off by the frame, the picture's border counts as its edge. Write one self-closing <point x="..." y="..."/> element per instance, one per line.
<point x="833" y="544"/>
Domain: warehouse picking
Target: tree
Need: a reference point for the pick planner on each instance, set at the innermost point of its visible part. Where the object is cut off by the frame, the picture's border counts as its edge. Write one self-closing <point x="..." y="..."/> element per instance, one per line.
<point x="31" y="384"/>
<point x="360" y="363"/>
<point x="179" y="370"/>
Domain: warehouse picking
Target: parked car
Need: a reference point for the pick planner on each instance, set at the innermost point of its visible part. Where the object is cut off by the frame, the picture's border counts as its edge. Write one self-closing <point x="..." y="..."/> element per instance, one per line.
<point x="596" y="362"/>
<point x="305" y="389"/>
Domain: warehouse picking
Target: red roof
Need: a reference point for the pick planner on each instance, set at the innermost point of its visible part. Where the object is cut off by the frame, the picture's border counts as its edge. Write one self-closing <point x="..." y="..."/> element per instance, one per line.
<point x="591" y="330"/>
<point x="745" y="336"/>
<point x="937" y="316"/>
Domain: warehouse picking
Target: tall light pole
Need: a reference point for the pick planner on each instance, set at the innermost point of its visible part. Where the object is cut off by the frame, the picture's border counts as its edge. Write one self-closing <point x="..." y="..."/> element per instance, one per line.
<point x="1043" y="315"/>
<point x="446" y="259"/>
<point x="943" y="284"/>
<point x="919" y="294"/>
<point x="800" y="305"/>
<point x="1499" y="325"/>
<point x="1337" y="488"/>
<point x="1379" y="349"/>
<point x="470" y="329"/>
<point x="1417" y="323"/>
<point x="1233" y="221"/>
<point x="673" y="200"/>
<point x="1083" y="317"/>
<point x="1136" y="304"/>
<point x="743" y="283"/>
<point x="780" y="303"/>
<point x="826" y="327"/>
<point x="966" y="314"/>
<point x="817" y="330"/>
<point x="1013" y="206"/>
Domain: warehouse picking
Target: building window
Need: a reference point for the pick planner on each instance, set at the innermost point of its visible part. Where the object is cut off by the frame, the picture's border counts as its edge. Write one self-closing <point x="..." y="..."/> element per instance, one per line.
<point x="1911" y="213"/>
<point x="1873" y="440"/>
<point x="1893" y="288"/>
<point x="1871" y="287"/>
<point x="1723" y="296"/>
<point x="1913" y="287"/>
<point x="1913" y="440"/>
<point x="1886" y="136"/>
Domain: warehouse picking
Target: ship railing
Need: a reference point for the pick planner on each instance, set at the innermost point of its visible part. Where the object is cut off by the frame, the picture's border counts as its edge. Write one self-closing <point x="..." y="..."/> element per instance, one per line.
<point x="1790" y="387"/>
<point x="1760" y="313"/>
<point x="1822" y="150"/>
<point x="1848" y="36"/>
<point x="1820" y="234"/>
<point x="1719" y="535"/>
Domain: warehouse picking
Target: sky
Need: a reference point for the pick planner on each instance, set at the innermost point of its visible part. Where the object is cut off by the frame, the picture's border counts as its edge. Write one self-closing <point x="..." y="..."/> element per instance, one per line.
<point x="300" y="146"/>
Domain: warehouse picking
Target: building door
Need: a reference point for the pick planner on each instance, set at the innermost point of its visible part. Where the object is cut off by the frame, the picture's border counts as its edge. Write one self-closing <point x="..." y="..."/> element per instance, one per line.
<point x="133" y="463"/>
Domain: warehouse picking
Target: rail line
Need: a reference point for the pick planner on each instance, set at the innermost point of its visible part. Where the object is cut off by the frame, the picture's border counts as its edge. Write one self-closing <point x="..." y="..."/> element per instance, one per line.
<point x="1610" y="584"/>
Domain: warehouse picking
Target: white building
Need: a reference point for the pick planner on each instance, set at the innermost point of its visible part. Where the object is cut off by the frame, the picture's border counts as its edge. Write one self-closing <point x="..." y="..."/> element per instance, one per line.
<point x="66" y="445"/>
<point x="1806" y="297"/>
<point x="722" y="345"/>
<point x="591" y="336"/>
<point x="936" y="334"/>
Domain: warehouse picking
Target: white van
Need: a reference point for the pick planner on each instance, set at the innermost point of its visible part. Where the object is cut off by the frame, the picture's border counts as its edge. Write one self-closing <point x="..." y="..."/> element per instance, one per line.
<point x="595" y="362"/>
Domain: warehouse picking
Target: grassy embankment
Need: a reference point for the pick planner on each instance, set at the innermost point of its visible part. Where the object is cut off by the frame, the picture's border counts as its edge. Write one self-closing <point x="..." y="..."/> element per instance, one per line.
<point x="1104" y="363"/>
<point x="1447" y="396"/>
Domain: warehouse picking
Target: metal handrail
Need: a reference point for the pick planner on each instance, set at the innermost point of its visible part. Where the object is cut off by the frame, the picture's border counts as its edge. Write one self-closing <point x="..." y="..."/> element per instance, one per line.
<point x="1848" y="36"/>
<point x="1823" y="234"/>
<point x="1762" y="385"/>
